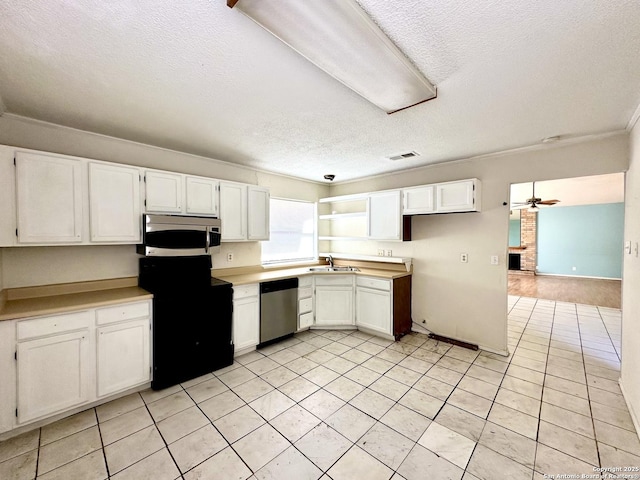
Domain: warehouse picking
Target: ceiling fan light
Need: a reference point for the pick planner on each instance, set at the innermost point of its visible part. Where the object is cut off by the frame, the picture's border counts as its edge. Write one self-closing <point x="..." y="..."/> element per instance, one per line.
<point x="533" y="208"/>
<point x="340" y="38"/>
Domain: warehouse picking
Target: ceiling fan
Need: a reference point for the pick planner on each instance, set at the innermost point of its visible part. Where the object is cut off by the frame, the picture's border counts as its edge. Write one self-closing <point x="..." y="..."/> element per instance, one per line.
<point x="533" y="202"/>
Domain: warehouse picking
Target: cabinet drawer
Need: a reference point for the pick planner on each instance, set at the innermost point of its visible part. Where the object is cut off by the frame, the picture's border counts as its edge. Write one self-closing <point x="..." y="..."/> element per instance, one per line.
<point x="305" y="305"/>
<point x="67" y="322"/>
<point x="334" y="279"/>
<point x="305" y="281"/>
<point x="377" y="283"/>
<point x="119" y="313"/>
<point x="305" y="292"/>
<point x="306" y="320"/>
<point x="242" y="291"/>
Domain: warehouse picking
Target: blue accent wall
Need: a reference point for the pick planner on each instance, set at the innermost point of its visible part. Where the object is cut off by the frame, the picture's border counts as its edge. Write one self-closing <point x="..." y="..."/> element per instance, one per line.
<point x="514" y="233"/>
<point x="588" y="237"/>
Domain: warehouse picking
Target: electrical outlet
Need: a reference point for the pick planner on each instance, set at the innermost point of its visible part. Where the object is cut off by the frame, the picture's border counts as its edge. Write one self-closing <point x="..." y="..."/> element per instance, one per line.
<point x="229" y="257"/>
<point x="494" y="260"/>
<point x="388" y="253"/>
<point x="464" y="257"/>
<point x="381" y="252"/>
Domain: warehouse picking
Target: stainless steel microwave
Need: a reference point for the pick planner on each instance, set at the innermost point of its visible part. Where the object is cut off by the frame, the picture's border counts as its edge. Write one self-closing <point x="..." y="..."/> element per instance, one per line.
<point x="179" y="235"/>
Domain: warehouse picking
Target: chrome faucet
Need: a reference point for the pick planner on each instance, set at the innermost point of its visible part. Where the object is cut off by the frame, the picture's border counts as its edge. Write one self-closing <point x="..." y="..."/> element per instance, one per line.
<point x="330" y="259"/>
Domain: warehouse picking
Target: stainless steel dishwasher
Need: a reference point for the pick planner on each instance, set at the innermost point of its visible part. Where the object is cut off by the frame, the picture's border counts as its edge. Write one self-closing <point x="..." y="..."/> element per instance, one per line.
<point x="278" y="309"/>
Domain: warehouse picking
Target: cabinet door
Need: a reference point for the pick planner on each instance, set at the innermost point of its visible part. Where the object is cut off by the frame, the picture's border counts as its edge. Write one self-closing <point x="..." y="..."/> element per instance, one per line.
<point x="373" y="309"/>
<point x="246" y="322"/>
<point x="384" y="216"/>
<point x="123" y="356"/>
<point x="233" y="211"/>
<point x="202" y="195"/>
<point x="114" y="203"/>
<point x="418" y="200"/>
<point x="53" y="374"/>
<point x="163" y="192"/>
<point x="334" y="305"/>
<point x="258" y="213"/>
<point x="455" y="196"/>
<point x="49" y="199"/>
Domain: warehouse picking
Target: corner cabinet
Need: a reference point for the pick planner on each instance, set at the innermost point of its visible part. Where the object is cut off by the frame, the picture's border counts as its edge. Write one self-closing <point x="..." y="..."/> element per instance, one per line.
<point x="334" y="300"/>
<point x="49" y="198"/>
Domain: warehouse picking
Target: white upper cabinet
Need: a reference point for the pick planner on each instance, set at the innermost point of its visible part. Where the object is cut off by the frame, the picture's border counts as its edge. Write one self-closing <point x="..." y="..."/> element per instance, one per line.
<point x="384" y="214"/>
<point x="163" y="192"/>
<point x="244" y="212"/>
<point x="202" y="195"/>
<point x="258" y="213"/>
<point x="418" y="200"/>
<point x="49" y="199"/>
<point x="233" y="211"/>
<point x="114" y="202"/>
<point x="457" y="196"/>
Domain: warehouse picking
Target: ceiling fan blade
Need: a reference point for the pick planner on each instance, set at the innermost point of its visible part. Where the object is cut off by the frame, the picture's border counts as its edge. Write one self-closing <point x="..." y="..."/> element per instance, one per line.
<point x="519" y="207"/>
<point x="548" y="202"/>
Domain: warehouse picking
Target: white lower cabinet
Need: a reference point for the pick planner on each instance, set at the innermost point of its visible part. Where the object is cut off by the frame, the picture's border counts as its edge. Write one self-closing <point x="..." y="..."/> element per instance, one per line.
<point x="246" y="316"/>
<point x="54" y="373"/>
<point x="123" y="354"/>
<point x="374" y="304"/>
<point x="334" y="300"/>
<point x="69" y="360"/>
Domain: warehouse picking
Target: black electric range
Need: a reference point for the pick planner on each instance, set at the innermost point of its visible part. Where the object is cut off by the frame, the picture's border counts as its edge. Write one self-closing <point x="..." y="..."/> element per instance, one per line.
<point x="192" y="318"/>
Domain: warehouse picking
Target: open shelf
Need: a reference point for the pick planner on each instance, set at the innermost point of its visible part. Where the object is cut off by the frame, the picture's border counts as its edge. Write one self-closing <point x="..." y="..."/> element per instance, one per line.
<point x="335" y="216"/>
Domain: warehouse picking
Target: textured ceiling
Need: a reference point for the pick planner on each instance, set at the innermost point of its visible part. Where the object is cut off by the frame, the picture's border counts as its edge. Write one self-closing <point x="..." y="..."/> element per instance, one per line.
<point x="199" y="77"/>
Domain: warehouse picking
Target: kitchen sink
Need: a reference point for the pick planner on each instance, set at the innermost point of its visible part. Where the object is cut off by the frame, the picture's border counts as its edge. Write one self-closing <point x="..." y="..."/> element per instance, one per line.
<point x="334" y="269"/>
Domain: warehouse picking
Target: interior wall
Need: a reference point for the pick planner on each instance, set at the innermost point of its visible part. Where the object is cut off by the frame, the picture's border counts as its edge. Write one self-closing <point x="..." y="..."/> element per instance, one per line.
<point x="468" y="301"/>
<point x="27" y="266"/>
<point x="630" y="381"/>
<point x="582" y="240"/>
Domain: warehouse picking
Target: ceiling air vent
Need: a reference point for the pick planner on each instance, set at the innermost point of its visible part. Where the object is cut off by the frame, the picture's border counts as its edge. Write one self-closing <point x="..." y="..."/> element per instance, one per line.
<point x="403" y="156"/>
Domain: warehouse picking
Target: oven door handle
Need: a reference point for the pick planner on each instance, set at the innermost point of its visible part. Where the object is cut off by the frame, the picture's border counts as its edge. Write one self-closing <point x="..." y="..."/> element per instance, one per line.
<point x="207" y="241"/>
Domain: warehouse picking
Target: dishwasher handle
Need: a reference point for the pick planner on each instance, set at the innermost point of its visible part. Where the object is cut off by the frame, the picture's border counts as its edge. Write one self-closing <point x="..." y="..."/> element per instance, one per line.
<point x="277" y="285"/>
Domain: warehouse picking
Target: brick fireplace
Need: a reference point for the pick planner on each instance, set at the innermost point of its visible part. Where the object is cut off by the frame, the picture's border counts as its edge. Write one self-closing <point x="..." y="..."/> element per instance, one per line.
<point x="527" y="249"/>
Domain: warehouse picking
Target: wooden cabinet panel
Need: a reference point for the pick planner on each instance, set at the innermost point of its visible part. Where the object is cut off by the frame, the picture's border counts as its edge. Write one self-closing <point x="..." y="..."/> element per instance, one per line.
<point x="233" y="211"/>
<point x="246" y="322"/>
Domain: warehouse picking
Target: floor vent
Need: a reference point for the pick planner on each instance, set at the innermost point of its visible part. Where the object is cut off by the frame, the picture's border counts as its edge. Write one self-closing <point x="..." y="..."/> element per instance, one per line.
<point x="403" y="156"/>
<point x="440" y="338"/>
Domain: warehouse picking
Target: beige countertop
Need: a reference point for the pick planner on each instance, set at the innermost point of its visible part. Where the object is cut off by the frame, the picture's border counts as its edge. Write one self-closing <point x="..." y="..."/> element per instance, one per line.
<point x="244" y="277"/>
<point x="53" y="299"/>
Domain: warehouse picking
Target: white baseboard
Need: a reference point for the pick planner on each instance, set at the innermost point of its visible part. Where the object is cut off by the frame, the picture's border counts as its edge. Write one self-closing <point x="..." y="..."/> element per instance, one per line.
<point x="632" y="412"/>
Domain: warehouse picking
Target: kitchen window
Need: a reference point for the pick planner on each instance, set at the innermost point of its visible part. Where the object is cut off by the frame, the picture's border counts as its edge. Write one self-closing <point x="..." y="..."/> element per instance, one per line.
<point x="292" y="232"/>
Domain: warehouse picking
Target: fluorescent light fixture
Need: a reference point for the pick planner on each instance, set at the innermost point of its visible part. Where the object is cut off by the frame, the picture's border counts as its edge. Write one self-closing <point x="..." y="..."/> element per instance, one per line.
<point x="341" y="39"/>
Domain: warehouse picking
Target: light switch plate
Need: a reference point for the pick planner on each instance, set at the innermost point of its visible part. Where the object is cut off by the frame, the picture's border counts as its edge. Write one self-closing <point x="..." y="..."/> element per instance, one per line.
<point x="494" y="260"/>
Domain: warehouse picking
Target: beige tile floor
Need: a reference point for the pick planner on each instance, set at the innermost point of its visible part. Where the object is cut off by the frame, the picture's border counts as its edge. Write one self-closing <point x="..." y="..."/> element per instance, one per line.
<point x="344" y="405"/>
